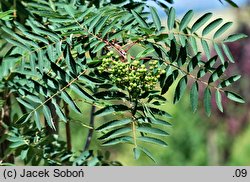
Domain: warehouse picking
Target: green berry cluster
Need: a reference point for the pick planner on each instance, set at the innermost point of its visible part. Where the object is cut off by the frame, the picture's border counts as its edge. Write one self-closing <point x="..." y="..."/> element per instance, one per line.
<point x="132" y="76"/>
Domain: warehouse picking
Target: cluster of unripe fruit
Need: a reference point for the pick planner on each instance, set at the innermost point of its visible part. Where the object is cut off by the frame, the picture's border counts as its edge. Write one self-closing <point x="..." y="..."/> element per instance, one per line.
<point x="132" y="75"/>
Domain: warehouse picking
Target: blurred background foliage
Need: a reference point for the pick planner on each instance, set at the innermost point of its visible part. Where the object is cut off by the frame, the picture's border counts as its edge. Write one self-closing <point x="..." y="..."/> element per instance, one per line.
<point x="222" y="139"/>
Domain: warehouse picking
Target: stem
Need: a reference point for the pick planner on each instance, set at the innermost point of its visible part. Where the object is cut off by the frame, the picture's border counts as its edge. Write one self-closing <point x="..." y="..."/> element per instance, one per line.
<point x="91" y="131"/>
<point x="67" y="127"/>
<point x="134" y="108"/>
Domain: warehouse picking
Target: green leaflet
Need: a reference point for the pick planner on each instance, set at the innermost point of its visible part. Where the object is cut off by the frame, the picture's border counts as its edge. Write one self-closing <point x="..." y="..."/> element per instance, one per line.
<point x="222" y="29"/>
<point x="113" y="124"/>
<point x="17" y="144"/>
<point x="145" y="151"/>
<point x="219" y="52"/>
<point x="173" y="51"/>
<point x="217" y="73"/>
<point x="36" y="37"/>
<point x="107" y="29"/>
<point x="169" y="81"/>
<point x="100" y="24"/>
<point x="18" y="44"/>
<point x="231" y="3"/>
<point x="114" y="133"/>
<point x="210" y="63"/>
<point x="228" y="53"/>
<point x="171" y="18"/>
<point x="23" y="119"/>
<point x="33" y="98"/>
<point x="182" y="57"/>
<point x="83" y="157"/>
<point x="37" y="120"/>
<point x="194" y="96"/>
<point x="150" y="130"/>
<point x="94" y="22"/>
<point x="193" y="44"/>
<point x="69" y="59"/>
<point x="77" y="89"/>
<point x="200" y="22"/>
<point x="70" y="10"/>
<point x="144" y="53"/>
<point x="111" y="109"/>
<point x="229" y="81"/>
<point x="20" y="38"/>
<point x="152" y="140"/>
<point x="156" y="97"/>
<point x="180" y="89"/>
<point x="59" y="112"/>
<point x="48" y="116"/>
<point x="6" y="15"/>
<point x="118" y="140"/>
<point x="235" y="37"/>
<point x="110" y="95"/>
<point x="160" y="122"/>
<point x="207" y="101"/>
<point x="65" y="96"/>
<point x="139" y="19"/>
<point x="52" y="36"/>
<point x="182" y="39"/>
<point x="186" y="19"/>
<point x="218" y="100"/>
<point x="211" y="26"/>
<point x="156" y="18"/>
<point x="193" y="63"/>
<point x="137" y="153"/>
<point x="159" y="112"/>
<point x="25" y="103"/>
<point x="234" y="97"/>
<point x="116" y="35"/>
<point x="99" y="47"/>
<point x="205" y="48"/>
